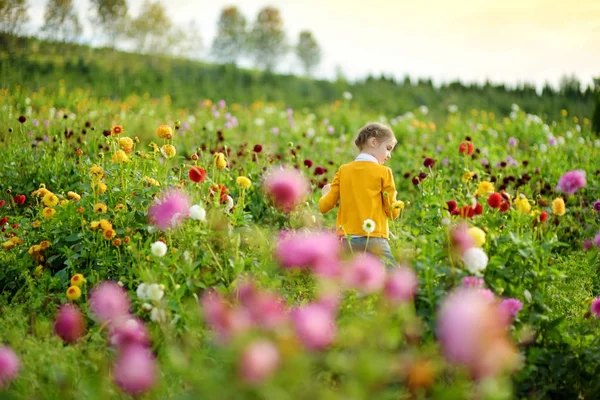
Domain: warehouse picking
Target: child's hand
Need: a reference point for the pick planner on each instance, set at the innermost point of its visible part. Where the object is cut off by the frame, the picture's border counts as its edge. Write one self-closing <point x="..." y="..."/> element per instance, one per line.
<point x="325" y="189"/>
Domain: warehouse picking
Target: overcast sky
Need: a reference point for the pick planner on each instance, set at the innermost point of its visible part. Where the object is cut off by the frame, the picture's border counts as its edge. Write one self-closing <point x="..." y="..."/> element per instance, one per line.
<point x="508" y="41"/>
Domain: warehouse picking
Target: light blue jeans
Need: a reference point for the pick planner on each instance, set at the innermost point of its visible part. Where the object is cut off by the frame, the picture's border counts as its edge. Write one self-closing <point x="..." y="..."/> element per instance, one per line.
<point x="377" y="246"/>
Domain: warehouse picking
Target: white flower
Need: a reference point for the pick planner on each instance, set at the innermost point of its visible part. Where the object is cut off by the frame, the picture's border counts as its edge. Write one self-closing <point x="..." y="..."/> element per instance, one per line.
<point x="198" y="213"/>
<point x="347" y="95"/>
<point x="560" y="140"/>
<point x="475" y="260"/>
<point x="368" y="225"/>
<point x="147" y="306"/>
<point x="543" y="148"/>
<point x="514" y="107"/>
<point x="142" y="291"/>
<point x="423" y="110"/>
<point x="569" y="134"/>
<point x="158" y="315"/>
<point x="452" y="108"/>
<point x="154" y="292"/>
<point x="578" y="128"/>
<point x="152" y="229"/>
<point x="527" y="295"/>
<point x="310" y="132"/>
<point x="581" y="140"/>
<point x="159" y="249"/>
<point x="120" y="283"/>
<point x="229" y="204"/>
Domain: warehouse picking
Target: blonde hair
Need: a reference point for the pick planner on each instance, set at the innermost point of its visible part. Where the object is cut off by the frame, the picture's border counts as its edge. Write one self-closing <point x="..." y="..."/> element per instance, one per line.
<point x="375" y="130"/>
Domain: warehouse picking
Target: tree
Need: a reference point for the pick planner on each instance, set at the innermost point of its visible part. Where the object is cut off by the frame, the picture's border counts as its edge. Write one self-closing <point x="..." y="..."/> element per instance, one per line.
<point x="188" y="42"/>
<point x="230" y="40"/>
<point x="569" y="86"/>
<point x="13" y="16"/>
<point x="61" y="22"/>
<point x="267" y="38"/>
<point x="151" y="29"/>
<point x="308" y="51"/>
<point x="596" y="115"/>
<point x="111" y="16"/>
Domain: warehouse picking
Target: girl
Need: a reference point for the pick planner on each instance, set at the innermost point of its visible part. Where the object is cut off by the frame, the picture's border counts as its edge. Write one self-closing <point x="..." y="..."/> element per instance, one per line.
<point x="366" y="192"/>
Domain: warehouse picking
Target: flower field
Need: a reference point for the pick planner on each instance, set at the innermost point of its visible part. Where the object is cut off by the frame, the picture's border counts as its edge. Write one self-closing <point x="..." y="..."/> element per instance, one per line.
<point x="154" y="252"/>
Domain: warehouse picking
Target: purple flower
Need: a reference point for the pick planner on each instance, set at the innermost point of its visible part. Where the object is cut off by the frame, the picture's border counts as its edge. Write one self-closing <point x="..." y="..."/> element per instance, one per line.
<point x="510" y="308"/>
<point x="222" y="104"/>
<point x="597" y="240"/>
<point x="46" y="123"/>
<point x="473" y="282"/>
<point x="512" y="141"/>
<point x="571" y="182"/>
<point x="275" y="131"/>
<point x="587" y="244"/>
<point x="445" y="161"/>
<point x="552" y="141"/>
<point x="35" y="122"/>
<point x="330" y="129"/>
<point x="597" y="206"/>
<point x="511" y="161"/>
<point x="596" y="307"/>
<point x="169" y="210"/>
<point x="485" y="162"/>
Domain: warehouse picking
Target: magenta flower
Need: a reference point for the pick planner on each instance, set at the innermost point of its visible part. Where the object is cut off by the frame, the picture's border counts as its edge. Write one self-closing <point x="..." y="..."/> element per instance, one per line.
<point x="512" y="141"/>
<point x="587" y="244"/>
<point x="401" y="285"/>
<point x="316" y="250"/>
<point x="129" y="331"/>
<point x="259" y="361"/>
<point x="473" y="282"/>
<point x="287" y="188"/>
<point x="597" y="240"/>
<point x="597" y="206"/>
<point x="596" y="307"/>
<point x="315" y="326"/>
<point x="135" y="370"/>
<point x="69" y="324"/>
<point x="109" y="302"/>
<point x="510" y="308"/>
<point x="9" y="365"/>
<point x="169" y="210"/>
<point x="365" y="273"/>
<point x="571" y="182"/>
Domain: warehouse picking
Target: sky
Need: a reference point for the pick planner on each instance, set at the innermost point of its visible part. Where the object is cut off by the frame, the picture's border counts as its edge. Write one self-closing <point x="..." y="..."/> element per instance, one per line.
<point x="508" y="41"/>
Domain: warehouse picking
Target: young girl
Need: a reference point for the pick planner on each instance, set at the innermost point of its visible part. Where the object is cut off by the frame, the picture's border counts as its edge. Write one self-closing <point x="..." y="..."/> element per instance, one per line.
<point x="366" y="192"/>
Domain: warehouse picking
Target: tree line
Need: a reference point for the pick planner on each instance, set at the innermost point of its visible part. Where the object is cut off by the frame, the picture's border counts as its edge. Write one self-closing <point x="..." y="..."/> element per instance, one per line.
<point x="152" y="31"/>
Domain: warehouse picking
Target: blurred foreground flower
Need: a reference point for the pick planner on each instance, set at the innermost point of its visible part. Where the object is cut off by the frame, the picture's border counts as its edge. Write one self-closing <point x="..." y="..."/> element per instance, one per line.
<point x="472" y="334"/>
<point x="169" y="210"/>
<point x="9" y="365"/>
<point x="287" y="188"/>
<point x="135" y="370"/>
<point x="69" y="324"/>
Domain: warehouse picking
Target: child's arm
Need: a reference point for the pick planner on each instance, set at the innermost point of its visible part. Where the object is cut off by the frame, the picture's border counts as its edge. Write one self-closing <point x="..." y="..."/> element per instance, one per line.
<point x="389" y="196"/>
<point x="331" y="196"/>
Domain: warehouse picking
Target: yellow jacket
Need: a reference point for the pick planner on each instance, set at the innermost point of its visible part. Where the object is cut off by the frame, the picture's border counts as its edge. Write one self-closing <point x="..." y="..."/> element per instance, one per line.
<point x="365" y="190"/>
